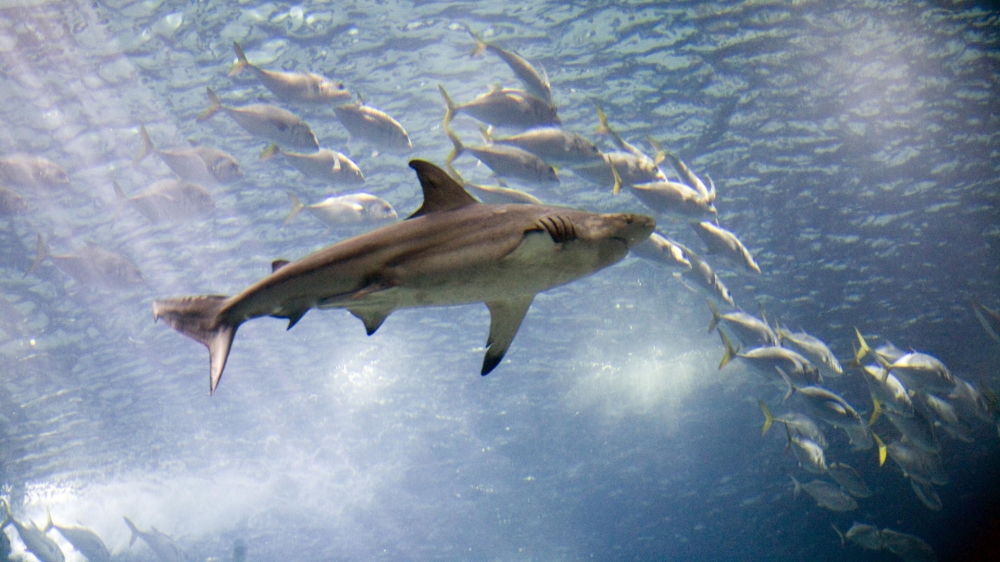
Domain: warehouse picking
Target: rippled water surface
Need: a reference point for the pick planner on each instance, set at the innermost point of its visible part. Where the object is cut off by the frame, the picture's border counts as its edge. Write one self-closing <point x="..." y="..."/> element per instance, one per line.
<point x="855" y="147"/>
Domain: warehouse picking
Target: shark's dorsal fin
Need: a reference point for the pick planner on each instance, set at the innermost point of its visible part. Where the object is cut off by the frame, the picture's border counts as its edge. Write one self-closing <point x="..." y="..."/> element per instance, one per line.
<point x="505" y="319"/>
<point x="441" y="192"/>
<point x="278" y="264"/>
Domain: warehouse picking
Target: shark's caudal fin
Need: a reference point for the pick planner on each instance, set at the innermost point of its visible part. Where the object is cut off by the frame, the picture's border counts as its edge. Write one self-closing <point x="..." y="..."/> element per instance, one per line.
<point x="198" y="318"/>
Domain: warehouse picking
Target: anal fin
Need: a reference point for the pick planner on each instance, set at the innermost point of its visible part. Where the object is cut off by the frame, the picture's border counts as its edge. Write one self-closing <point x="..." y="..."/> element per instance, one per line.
<point x="372" y="319"/>
<point x="505" y="319"/>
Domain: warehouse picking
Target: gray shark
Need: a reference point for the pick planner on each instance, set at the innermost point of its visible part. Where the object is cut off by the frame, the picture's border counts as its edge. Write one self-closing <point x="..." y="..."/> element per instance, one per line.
<point x="453" y="250"/>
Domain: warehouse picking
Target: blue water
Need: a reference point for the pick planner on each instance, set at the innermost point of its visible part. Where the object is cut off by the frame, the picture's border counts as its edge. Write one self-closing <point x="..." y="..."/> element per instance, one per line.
<point x="855" y="150"/>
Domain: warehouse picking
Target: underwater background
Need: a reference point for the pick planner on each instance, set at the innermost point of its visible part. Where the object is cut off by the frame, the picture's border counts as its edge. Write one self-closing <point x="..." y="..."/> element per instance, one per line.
<point x="855" y="147"/>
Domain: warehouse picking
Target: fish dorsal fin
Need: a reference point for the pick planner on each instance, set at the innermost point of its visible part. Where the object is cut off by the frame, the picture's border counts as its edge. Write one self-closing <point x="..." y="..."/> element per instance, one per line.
<point x="278" y="264"/>
<point x="441" y="192"/>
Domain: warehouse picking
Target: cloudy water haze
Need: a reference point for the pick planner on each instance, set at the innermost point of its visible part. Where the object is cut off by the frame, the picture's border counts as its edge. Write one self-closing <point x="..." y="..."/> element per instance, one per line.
<point x="853" y="148"/>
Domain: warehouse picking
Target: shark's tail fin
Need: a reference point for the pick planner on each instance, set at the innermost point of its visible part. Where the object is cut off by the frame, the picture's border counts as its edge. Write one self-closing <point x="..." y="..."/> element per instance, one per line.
<point x="199" y="318"/>
<point x="297" y="207"/>
<point x="131" y="527"/>
<point x="241" y="60"/>
<point x="147" y="146"/>
<point x="214" y="105"/>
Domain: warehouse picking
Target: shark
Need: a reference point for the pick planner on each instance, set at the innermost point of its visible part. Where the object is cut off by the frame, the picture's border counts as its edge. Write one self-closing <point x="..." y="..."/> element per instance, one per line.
<point x="453" y="250"/>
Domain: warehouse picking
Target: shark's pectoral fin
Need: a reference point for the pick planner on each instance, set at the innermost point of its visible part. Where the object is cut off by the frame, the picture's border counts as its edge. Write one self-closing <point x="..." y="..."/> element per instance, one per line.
<point x="372" y="318"/>
<point x="505" y="319"/>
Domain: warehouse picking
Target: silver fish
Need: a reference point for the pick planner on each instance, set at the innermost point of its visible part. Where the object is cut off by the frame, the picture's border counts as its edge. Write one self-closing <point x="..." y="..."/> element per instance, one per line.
<point x="346" y="210"/>
<point x="702" y="274"/>
<point x="769" y="359"/>
<point x="24" y="170"/>
<point x="918" y="430"/>
<point x="495" y="194"/>
<point x="686" y="175"/>
<point x="292" y="86"/>
<point x="553" y="145"/>
<point x="888" y="394"/>
<point x="198" y="164"/>
<point x="266" y="121"/>
<point x="969" y="402"/>
<point x="748" y="328"/>
<point x="35" y="540"/>
<point x="724" y="243"/>
<point x="809" y="453"/>
<point x="942" y="415"/>
<point x="863" y="535"/>
<point x="794" y="422"/>
<point x="814" y="349"/>
<point x="631" y="170"/>
<point x="507" y="162"/>
<point x="533" y="81"/>
<point x="920" y="371"/>
<point x="908" y="547"/>
<point x="164" y="546"/>
<point x="84" y="540"/>
<point x="916" y="463"/>
<point x="453" y="250"/>
<point x="661" y="249"/>
<point x="373" y="126"/>
<point x="672" y="198"/>
<point x="170" y="200"/>
<point x="324" y="164"/>
<point x="93" y="265"/>
<point x="827" y="495"/>
<point x="926" y="494"/>
<point x="849" y="478"/>
<point x="11" y="203"/>
<point x="504" y="107"/>
<point x="990" y="319"/>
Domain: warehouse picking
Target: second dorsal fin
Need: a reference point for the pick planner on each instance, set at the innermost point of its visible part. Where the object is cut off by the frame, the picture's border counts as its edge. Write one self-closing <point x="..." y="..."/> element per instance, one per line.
<point x="278" y="264"/>
<point x="441" y="192"/>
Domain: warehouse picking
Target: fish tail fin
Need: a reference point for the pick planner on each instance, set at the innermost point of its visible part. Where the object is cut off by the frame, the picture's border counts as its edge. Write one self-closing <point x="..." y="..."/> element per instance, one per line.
<point x="715" y="316"/>
<point x="480" y="44"/>
<point x="876" y="411"/>
<point x="798" y="487"/>
<point x="661" y="154"/>
<point x="458" y="149"/>
<point x="8" y="517"/>
<point x="839" y="534"/>
<point x="603" y="128"/>
<point x="730" y="350"/>
<point x="617" y="187"/>
<point x="271" y="150"/>
<point x="200" y="319"/>
<point x="788" y="381"/>
<point x="214" y="105"/>
<point x="48" y="524"/>
<point x="131" y="527"/>
<point x="241" y="60"/>
<point x="297" y="207"/>
<point x="882" y="451"/>
<point x="450" y="108"/>
<point x="120" y="201"/>
<point x="862" y="350"/>
<point x="147" y="146"/>
<point x="711" y="194"/>
<point x="485" y="133"/>
<point x="42" y="252"/>
<point x="768" y="417"/>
